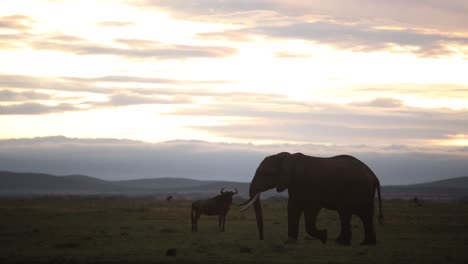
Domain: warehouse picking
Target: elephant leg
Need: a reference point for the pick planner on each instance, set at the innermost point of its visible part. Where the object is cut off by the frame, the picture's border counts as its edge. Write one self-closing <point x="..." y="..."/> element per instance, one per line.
<point x="345" y="235"/>
<point x="294" y="215"/>
<point x="367" y="218"/>
<point x="310" y="218"/>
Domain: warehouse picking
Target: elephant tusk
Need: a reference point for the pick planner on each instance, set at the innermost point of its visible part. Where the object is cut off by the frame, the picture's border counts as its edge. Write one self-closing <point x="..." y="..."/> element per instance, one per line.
<point x="255" y="198"/>
<point x="246" y="201"/>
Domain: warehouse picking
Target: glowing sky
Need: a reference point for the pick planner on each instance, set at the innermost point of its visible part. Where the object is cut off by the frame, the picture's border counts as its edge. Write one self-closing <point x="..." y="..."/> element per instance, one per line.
<point x="361" y="72"/>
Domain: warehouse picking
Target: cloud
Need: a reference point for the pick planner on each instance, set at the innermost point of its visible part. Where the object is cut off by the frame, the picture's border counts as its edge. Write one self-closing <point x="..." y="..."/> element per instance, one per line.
<point x="130" y="48"/>
<point x="119" y="90"/>
<point x="381" y="102"/>
<point x="206" y="7"/>
<point x="21" y="37"/>
<point x="274" y="116"/>
<point x="361" y="38"/>
<point x="330" y="123"/>
<point x="131" y="98"/>
<point x="144" y="80"/>
<point x="92" y="84"/>
<point x="428" y="90"/>
<point x="358" y="38"/>
<point x="126" y="83"/>
<point x="182" y="97"/>
<point x="118" y="99"/>
<point x="35" y="109"/>
<point x="124" y="159"/>
<point x="8" y="96"/>
<point x="226" y="35"/>
<point x="379" y="26"/>
<point x="46" y="83"/>
<point x="14" y="30"/>
<point x="16" y="22"/>
<point x="445" y="15"/>
<point x="289" y="55"/>
<point x="115" y="24"/>
<point x="327" y="133"/>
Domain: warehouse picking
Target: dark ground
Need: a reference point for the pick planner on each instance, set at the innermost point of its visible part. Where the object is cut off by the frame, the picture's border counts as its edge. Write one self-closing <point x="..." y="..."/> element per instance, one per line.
<point x="141" y="230"/>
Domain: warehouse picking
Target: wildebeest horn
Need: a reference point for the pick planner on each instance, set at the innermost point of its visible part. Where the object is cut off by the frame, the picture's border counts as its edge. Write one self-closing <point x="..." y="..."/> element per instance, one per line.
<point x="236" y="190"/>
<point x="222" y="191"/>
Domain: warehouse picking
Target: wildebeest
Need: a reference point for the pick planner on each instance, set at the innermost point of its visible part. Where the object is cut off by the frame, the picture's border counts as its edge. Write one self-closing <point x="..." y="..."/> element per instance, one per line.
<point x="218" y="205"/>
<point x="417" y="202"/>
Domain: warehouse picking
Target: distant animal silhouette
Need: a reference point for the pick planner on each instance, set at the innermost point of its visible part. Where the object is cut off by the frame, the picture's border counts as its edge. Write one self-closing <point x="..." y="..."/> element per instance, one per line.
<point x="168" y="198"/>
<point x="342" y="183"/>
<point x="172" y="252"/>
<point x="218" y="205"/>
<point x="417" y="202"/>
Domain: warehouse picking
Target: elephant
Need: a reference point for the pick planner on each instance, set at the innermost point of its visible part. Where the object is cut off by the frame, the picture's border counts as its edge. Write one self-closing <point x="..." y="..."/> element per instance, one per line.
<point x="341" y="183"/>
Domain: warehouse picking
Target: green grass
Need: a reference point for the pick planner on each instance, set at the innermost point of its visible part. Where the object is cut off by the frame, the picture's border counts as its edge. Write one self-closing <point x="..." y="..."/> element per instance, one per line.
<point x="120" y="230"/>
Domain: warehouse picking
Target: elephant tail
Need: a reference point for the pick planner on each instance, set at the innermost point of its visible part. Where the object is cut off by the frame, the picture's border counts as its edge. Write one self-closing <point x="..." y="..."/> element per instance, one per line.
<point x="377" y="185"/>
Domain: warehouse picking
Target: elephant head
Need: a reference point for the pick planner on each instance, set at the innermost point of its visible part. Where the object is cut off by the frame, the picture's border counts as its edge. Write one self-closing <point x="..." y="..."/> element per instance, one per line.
<point x="273" y="172"/>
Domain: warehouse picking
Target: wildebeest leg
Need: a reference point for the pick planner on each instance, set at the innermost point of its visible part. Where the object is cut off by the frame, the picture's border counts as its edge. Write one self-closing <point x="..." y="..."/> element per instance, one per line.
<point x="345" y="235"/>
<point x="310" y="218"/>
<point x="224" y="221"/>
<point x="220" y="222"/>
<point x="192" y="217"/>
<point x="197" y="217"/>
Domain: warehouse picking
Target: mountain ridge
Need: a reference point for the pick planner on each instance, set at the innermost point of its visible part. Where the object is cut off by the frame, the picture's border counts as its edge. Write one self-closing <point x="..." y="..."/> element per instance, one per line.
<point x="457" y="182"/>
<point x="28" y="183"/>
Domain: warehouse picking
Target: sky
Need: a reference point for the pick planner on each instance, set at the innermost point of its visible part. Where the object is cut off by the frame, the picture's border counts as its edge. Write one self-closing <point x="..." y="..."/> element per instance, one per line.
<point x="357" y="76"/>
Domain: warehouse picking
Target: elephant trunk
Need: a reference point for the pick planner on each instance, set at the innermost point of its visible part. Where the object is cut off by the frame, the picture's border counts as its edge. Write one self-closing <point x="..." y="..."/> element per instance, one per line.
<point x="258" y="213"/>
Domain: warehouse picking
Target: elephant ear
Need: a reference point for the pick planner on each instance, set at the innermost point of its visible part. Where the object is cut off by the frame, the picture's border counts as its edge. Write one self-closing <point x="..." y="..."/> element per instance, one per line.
<point x="286" y="171"/>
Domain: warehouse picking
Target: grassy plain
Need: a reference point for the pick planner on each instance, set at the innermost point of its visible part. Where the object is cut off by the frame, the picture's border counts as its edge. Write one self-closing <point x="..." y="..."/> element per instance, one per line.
<point x="140" y="230"/>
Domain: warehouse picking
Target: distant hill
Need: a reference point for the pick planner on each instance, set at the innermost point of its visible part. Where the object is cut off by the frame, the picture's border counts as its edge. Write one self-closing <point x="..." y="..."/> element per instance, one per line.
<point x="161" y="183"/>
<point x="455" y="183"/>
<point x="32" y="184"/>
<point x="24" y="184"/>
<point x="38" y="183"/>
<point x="448" y="189"/>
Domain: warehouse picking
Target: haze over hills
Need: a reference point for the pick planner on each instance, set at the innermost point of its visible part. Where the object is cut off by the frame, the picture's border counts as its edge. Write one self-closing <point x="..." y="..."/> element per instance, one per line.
<point x="114" y="160"/>
<point x="34" y="184"/>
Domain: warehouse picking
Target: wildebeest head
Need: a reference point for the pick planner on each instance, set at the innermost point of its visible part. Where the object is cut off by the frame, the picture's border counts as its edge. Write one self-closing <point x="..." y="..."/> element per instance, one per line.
<point x="227" y="195"/>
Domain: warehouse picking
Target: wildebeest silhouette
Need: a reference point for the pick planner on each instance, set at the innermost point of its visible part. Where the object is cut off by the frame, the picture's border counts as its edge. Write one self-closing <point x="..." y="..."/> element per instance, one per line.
<point x="218" y="205"/>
